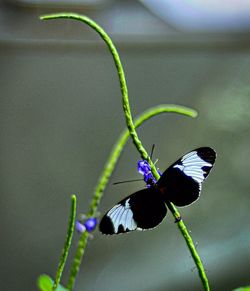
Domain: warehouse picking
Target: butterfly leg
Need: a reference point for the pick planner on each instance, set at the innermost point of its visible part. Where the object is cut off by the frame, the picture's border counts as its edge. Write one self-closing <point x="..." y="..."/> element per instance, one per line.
<point x="177" y="219"/>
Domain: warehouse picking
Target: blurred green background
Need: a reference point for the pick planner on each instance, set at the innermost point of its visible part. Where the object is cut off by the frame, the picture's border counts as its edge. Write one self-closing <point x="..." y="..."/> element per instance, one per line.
<point x="60" y="114"/>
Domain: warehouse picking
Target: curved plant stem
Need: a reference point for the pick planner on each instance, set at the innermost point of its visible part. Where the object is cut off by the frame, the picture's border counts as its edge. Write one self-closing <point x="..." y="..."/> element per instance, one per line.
<point x="65" y="252"/>
<point x="119" y="145"/>
<point x="133" y="133"/>
<point x="107" y="172"/>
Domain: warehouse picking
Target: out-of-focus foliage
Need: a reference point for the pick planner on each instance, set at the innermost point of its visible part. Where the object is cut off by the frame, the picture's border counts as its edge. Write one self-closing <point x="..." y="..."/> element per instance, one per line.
<point x="45" y="283"/>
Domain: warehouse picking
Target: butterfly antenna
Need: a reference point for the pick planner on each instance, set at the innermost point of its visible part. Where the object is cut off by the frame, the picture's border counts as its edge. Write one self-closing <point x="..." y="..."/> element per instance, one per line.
<point x="128" y="181"/>
<point x="152" y="151"/>
<point x="151" y="154"/>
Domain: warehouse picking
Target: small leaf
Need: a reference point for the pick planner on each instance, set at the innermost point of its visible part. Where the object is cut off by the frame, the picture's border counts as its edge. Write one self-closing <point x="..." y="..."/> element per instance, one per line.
<point x="247" y="288"/>
<point x="45" y="283"/>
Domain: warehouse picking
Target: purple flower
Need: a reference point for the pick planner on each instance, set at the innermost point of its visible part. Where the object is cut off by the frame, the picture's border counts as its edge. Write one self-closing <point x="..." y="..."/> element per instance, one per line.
<point x="149" y="179"/>
<point x="89" y="225"/>
<point x="80" y="228"/>
<point x="144" y="168"/>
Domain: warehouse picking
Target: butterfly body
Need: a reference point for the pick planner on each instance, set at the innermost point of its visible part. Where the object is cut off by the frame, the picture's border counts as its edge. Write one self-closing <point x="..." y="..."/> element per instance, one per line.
<point x="179" y="184"/>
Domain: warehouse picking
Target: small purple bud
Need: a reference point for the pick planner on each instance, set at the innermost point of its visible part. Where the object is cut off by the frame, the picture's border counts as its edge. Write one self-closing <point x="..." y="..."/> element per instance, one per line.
<point x="149" y="179"/>
<point x="80" y="228"/>
<point x="144" y="169"/>
<point x="90" y="224"/>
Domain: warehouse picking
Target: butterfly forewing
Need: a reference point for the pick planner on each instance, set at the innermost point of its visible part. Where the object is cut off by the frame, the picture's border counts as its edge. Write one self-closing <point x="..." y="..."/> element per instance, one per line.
<point x="181" y="182"/>
<point x="144" y="209"/>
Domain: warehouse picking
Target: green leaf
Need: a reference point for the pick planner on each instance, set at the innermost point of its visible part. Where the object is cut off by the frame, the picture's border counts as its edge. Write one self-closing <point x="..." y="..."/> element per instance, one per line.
<point x="45" y="283"/>
<point x="247" y="288"/>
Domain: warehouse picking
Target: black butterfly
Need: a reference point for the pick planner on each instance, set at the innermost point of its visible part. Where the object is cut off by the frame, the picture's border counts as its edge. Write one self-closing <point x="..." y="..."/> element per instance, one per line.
<point x="179" y="184"/>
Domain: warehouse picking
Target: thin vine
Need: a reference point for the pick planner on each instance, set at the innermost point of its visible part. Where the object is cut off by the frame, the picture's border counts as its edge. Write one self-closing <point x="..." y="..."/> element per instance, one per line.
<point x="67" y="244"/>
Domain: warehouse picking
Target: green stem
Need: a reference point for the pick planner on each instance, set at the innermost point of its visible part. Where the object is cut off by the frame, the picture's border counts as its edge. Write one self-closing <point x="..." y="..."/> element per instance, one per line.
<point x="107" y="172"/>
<point x="131" y="128"/>
<point x="65" y="252"/>
<point x="119" y="145"/>
<point x="194" y="254"/>
<point x="121" y="75"/>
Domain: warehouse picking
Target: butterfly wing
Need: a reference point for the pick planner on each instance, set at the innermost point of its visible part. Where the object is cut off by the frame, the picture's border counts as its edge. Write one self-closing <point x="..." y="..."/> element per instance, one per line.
<point x="142" y="210"/>
<point x="181" y="182"/>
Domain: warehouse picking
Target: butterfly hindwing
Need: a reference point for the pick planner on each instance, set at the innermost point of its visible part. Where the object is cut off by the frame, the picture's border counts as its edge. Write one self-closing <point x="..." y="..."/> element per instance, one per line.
<point x="144" y="209"/>
<point x="181" y="182"/>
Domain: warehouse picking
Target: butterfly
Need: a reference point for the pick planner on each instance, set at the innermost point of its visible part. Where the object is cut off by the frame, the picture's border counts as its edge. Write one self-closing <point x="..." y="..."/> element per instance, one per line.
<point x="179" y="184"/>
